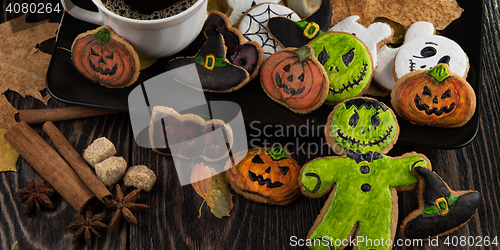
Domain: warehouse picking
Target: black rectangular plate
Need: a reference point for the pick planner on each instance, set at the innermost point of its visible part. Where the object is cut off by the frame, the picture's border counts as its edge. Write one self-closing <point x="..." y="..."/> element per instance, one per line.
<point x="66" y="84"/>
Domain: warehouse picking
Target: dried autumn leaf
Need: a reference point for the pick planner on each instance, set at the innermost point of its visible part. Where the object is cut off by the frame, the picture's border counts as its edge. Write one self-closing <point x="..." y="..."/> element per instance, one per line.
<point x="22" y="66"/>
<point x="439" y="12"/>
<point x="7" y="112"/>
<point x="8" y="155"/>
<point x="214" y="189"/>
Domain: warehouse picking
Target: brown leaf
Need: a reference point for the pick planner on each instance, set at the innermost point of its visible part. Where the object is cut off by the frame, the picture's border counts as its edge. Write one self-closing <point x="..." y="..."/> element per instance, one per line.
<point x="8" y="155"/>
<point x="7" y="112"/>
<point x="22" y="66"/>
<point x="438" y="12"/>
<point x="213" y="189"/>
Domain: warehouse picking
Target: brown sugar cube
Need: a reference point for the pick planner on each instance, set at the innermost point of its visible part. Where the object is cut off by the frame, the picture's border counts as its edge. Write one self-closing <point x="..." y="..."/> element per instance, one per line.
<point x="111" y="170"/>
<point x="100" y="149"/>
<point x="140" y="177"/>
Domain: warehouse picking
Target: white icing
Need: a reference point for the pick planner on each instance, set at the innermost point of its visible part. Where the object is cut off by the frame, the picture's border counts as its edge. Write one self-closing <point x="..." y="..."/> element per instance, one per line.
<point x="383" y="75"/>
<point x="422" y="50"/>
<point x="253" y="25"/>
<point x="241" y="6"/>
<point x="371" y="36"/>
<point x="304" y="8"/>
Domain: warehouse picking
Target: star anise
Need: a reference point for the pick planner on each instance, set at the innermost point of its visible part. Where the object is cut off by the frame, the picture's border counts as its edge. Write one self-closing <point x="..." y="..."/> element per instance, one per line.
<point x="124" y="207"/>
<point x="35" y="195"/>
<point x="87" y="224"/>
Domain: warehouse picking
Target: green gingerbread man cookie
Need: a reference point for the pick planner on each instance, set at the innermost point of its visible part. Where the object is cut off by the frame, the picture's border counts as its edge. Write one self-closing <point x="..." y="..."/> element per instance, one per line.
<point x="347" y="62"/>
<point x="363" y="203"/>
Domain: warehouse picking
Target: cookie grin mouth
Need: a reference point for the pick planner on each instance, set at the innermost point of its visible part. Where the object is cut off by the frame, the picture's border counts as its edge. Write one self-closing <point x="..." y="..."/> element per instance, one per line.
<point x="102" y="71"/>
<point x="260" y="179"/>
<point x="362" y="143"/>
<point x="285" y="88"/>
<point x="354" y="83"/>
<point x="429" y="111"/>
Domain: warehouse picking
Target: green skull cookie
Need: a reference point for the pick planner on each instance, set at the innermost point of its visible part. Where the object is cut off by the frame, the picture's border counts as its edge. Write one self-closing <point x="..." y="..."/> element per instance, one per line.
<point x="347" y="62"/>
<point x="364" y="200"/>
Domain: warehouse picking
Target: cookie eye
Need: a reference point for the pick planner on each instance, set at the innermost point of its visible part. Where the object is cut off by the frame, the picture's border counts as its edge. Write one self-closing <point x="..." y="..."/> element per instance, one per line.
<point x="284" y="170"/>
<point x="375" y="120"/>
<point x="428" y="52"/>
<point x="257" y="159"/>
<point x="353" y="121"/>
<point x="92" y="52"/>
<point x="426" y="91"/>
<point x="444" y="59"/>
<point x="110" y="56"/>
<point x="348" y="57"/>
<point x="446" y="94"/>
<point x="287" y="68"/>
<point x="323" y="56"/>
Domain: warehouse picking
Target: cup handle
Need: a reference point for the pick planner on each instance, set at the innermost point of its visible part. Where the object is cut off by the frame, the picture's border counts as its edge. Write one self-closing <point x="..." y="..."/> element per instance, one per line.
<point x="82" y="14"/>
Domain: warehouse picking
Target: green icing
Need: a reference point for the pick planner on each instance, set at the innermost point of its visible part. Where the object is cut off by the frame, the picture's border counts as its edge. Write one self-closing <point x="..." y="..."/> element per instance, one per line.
<point x="303" y="24"/>
<point x="364" y="133"/>
<point x="349" y="80"/>
<point x="219" y="62"/>
<point x="440" y="72"/>
<point x="349" y="204"/>
<point x="451" y="199"/>
<point x="277" y="153"/>
<point x="102" y="36"/>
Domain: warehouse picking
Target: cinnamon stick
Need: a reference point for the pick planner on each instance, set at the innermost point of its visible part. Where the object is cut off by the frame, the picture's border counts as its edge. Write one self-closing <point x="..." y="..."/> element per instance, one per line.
<point x="38" y="116"/>
<point x="50" y="165"/>
<point x="76" y="161"/>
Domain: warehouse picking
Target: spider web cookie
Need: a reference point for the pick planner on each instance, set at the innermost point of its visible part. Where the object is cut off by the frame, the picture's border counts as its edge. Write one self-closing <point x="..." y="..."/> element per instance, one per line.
<point x="253" y="25"/>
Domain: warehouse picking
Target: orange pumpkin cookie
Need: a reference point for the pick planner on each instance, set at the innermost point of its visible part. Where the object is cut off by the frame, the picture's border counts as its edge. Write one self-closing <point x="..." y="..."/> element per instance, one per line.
<point x="294" y="78"/>
<point x="266" y="176"/>
<point x="104" y="57"/>
<point x="435" y="97"/>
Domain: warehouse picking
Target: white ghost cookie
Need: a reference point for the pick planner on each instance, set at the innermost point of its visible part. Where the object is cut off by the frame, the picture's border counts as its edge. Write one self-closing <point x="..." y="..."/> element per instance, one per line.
<point x="253" y="25"/>
<point x="238" y="7"/>
<point x="421" y="50"/>
<point x="374" y="37"/>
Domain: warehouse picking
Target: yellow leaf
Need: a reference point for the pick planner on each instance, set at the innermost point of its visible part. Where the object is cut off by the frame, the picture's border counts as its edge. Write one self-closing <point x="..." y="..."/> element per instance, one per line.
<point x="8" y="155"/>
<point x="22" y="66"/>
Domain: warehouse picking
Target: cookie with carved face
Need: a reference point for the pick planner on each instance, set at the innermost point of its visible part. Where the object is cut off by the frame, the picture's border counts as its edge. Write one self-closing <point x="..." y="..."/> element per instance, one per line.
<point x="364" y="180"/>
<point x="347" y="62"/>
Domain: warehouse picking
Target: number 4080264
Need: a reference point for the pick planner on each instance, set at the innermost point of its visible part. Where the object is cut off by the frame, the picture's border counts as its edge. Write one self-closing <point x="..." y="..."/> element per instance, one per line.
<point x="35" y="8"/>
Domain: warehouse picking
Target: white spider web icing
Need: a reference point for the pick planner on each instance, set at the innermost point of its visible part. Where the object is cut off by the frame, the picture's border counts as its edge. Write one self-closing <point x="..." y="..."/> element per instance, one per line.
<point x="253" y="25"/>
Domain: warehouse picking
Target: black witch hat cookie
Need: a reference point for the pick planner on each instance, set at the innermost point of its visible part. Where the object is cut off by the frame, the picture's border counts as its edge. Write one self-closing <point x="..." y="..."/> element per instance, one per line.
<point x="297" y="34"/>
<point x="216" y="73"/>
<point x="441" y="209"/>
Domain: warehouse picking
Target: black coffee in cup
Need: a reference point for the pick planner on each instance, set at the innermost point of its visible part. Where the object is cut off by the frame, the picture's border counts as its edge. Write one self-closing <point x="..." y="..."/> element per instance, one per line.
<point x="147" y="9"/>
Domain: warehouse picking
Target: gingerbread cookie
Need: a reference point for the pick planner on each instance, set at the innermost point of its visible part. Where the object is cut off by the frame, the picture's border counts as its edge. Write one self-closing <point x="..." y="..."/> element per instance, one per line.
<point x="238" y="7"/>
<point x="297" y="34"/>
<point x="216" y="73"/>
<point x="294" y="78"/>
<point x="374" y="37"/>
<point x="253" y="25"/>
<point x="265" y="175"/>
<point x="441" y="209"/>
<point x="421" y="50"/>
<point x="104" y="57"/>
<point x="364" y="180"/>
<point x="247" y="55"/>
<point x="434" y="97"/>
<point x="347" y="62"/>
<point x="189" y="136"/>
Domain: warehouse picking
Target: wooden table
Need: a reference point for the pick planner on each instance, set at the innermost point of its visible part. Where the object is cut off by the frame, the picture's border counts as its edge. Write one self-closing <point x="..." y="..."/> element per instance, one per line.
<point x="172" y="220"/>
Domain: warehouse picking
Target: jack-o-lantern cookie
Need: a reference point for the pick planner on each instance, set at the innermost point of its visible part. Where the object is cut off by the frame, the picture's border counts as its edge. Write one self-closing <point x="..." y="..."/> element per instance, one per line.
<point x="434" y="97"/>
<point x="247" y="55"/>
<point x="364" y="180"/>
<point x="347" y="62"/>
<point x="297" y="34"/>
<point x="216" y="73"/>
<point x="104" y="57"/>
<point x="265" y="175"/>
<point x="253" y="25"/>
<point x="295" y="79"/>
<point x="189" y="136"/>
<point x="441" y="209"/>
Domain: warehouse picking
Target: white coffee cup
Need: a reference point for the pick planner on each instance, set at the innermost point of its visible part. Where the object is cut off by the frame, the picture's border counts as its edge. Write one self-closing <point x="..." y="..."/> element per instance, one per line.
<point x="150" y="38"/>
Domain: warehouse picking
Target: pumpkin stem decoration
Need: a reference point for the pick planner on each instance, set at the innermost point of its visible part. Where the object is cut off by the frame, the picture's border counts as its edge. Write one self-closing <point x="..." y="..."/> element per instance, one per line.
<point x="304" y="52"/>
<point x="102" y="36"/>
<point x="440" y="72"/>
<point x="277" y="153"/>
